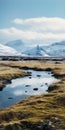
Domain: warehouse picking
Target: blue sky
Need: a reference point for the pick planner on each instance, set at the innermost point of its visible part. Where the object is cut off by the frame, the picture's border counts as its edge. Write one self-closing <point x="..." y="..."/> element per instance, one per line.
<point x="10" y="10"/>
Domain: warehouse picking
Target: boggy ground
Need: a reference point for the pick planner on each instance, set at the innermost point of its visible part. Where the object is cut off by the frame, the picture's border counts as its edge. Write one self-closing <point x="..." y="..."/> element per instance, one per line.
<point x="33" y="112"/>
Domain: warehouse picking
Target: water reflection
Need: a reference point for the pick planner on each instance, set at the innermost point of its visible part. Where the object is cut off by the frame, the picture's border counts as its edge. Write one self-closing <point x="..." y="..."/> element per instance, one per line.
<point x="21" y="88"/>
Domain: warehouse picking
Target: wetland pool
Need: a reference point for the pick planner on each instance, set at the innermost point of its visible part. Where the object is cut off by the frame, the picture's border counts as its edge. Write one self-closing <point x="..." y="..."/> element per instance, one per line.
<point x="35" y="84"/>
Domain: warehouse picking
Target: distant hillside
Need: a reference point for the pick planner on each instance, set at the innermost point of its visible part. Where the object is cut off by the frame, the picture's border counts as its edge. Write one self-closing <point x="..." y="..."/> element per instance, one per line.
<point x="55" y="49"/>
<point x="36" y="51"/>
<point x="5" y="50"/>
<point x="19" y="45"/>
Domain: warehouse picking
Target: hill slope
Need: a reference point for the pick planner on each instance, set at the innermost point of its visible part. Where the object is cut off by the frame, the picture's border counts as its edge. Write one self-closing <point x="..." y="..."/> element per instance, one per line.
<point x="19" y="45"/>
<point x="56" y="49"/>
<point x="5" y="50"/>
<point x="36" y="51"/>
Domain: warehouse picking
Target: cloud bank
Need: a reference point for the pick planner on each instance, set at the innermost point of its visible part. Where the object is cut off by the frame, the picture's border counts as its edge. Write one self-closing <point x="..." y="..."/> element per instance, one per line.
<point x="43" y="30"/>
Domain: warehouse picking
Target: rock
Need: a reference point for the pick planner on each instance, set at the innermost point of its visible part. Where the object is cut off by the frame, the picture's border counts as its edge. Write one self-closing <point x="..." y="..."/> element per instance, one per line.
<point x="1" y="88"/>
<point x="30" y="77"/>
<point x="46" y="83"/>
<point x="27" y="85"/>
<point x="47" y="126"/>
<point x="57" y="121"/>
<point x="10" y="98"/>
<point x="38" y="75"/>
<point x="29" y="73"/>
<point x="42" y="85"/>
<point x="49" y="72"/>
<point x="25" y="91"/>
<point x="35" y="89"/>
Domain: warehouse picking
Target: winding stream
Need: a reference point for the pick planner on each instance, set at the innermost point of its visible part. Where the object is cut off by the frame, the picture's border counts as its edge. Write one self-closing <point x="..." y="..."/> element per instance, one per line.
<point x="21" y="88"/>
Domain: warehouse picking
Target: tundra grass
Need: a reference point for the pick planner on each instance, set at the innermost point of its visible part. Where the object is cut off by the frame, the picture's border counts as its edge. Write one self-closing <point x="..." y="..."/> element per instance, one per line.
<point x="27" y="114"/>
<point x="9" y="73"/>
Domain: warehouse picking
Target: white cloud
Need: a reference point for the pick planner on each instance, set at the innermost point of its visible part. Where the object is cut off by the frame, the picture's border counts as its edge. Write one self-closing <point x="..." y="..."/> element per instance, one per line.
<point x="33" y="30"/>
<point x="43" y="23"/>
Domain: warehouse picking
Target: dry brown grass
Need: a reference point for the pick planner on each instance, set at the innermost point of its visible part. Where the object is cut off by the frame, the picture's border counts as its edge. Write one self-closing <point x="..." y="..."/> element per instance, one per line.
<point x="28" y="113"/>
<point x="29" y="64"/>
<point x="34" y="109"/>
<point x="8" y="73"/>
<point x="58" y="70"/>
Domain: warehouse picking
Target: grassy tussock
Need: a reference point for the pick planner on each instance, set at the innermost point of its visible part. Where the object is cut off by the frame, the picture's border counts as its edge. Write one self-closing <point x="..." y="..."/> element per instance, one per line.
<point x="8" y="73"/>
<point x="34" y="109"/>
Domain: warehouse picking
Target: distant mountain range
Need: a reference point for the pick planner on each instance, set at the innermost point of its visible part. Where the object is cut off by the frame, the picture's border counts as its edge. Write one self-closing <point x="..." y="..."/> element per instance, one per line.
<point x="18" y="47"/>
<point x="55" y="49"/>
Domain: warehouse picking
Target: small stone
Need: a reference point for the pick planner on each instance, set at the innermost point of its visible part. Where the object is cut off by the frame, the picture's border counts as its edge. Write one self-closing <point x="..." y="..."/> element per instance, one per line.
<point x="42" y="85"/>
<point x="10" y="98"/>
<point x="27" y="85"/>
<point x="38" y="75"/>
<point x="49" y="72"/>
<point x="46" y="83"/>
<point x="35" y="89"/>
<point x="25" y="91"/>
<point x="30" y="77"/>
<point x="57" y="121"/>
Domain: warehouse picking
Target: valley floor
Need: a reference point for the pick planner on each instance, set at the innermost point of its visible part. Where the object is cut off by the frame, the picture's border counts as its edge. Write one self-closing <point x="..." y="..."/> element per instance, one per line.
<point x="35" y="112"/>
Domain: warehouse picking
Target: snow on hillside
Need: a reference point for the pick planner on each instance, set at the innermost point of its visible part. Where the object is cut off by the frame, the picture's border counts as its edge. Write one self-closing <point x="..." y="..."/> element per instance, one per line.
<point x="36" y="51"/>
<point x="19" y="45"/>
<point x="56" y="49"/>
<point x="5" y="50"/>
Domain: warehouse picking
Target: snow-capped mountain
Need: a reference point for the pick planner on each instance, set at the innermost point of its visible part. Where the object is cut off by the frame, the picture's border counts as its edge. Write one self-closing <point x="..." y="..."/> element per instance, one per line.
<point x="5" y="50"/>
<point x="56" y="49"/>
<point x="19" y="45"/>
<point x="36" y="51"/>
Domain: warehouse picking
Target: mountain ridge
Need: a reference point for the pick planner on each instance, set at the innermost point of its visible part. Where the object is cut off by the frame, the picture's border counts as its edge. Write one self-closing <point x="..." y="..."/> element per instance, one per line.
<point x="54" y="49"/>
